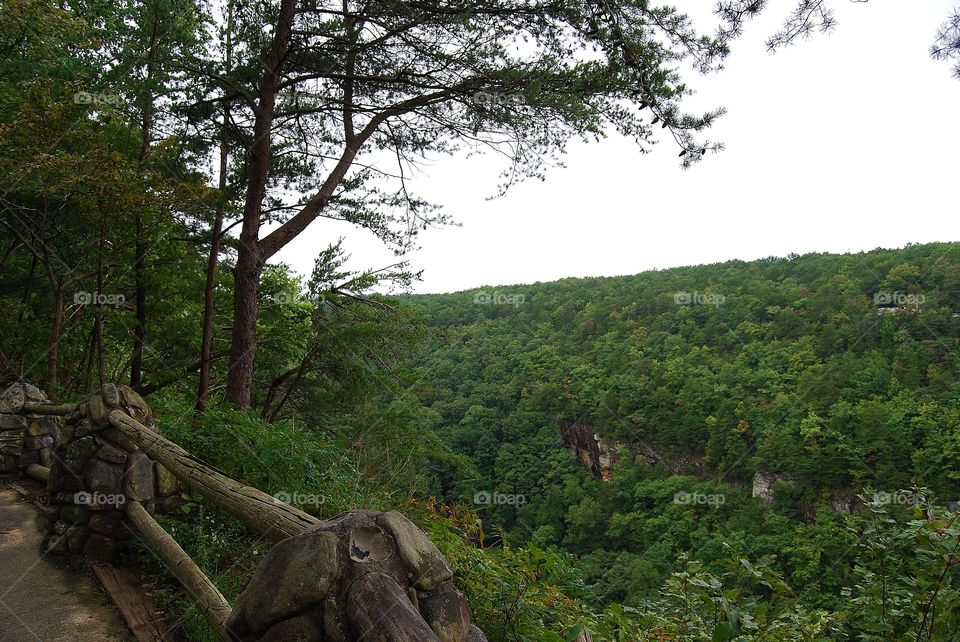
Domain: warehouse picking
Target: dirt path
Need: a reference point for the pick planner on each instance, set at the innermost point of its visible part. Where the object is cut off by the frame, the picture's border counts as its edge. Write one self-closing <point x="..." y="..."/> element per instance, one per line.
<point x="40" y="599"/>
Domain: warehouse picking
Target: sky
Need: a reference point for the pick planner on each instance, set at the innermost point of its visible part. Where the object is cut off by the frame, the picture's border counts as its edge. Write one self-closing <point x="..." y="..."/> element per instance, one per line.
<point x="844" y="142"/>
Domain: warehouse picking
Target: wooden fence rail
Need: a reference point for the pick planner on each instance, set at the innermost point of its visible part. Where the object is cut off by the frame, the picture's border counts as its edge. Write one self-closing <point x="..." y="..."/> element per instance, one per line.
<point x="199" y="587"/>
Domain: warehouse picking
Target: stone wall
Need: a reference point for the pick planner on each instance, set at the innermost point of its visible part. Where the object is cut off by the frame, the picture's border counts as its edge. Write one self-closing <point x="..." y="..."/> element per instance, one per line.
<point x="25" y="438"/>
<point x="96" y="470"/>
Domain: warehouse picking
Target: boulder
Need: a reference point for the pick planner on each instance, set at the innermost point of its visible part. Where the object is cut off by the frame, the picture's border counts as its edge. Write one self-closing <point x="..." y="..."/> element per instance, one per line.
<point x="417" y="551"/>
<point x="447" y="613"/>
<point x="103" y="523"/>
<point x="13" y="398"/>
<point x="11" y="443"/>
<point x="355" y="574"/>
<point x="166" y="483"/>
<point x="33" y="393"/>
<point x="97" y="410"/>
<point x="110" y="395"/>
<point x="99" y="548"/>
<point x="135" y="406"/>
<point x="296" y="573"/>
<point x="307" y="627"/>
<point x="74" y="514"/>
<point x="76" y="538"/>
<point x="112" y="454"/>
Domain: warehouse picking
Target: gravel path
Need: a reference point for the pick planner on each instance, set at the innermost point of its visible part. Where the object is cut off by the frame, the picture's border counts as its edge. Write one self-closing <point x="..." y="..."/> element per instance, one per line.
<point x="41" y="599"/>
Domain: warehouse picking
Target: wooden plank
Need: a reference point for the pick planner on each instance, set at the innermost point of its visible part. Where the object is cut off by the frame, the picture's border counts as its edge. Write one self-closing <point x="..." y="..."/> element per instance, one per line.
<point x="133" y="603"/>
<point x="198" y="586"/>
<point x="260" y="512"/>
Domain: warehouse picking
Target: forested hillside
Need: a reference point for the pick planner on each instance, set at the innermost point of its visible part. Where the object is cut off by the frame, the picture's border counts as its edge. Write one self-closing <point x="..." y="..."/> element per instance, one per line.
<point x="158" y="156"/>
<point x="816" y="376"/>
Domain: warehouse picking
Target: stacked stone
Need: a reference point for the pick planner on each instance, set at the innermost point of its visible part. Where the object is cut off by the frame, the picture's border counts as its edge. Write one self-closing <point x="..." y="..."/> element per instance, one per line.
<point x="362" y="575"/>
<point x="25" y="438"/>
<point x="96" y="471"/>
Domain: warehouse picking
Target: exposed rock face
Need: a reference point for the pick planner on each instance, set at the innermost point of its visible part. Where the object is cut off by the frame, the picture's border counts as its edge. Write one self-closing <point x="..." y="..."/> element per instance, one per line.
<point x="609" y="455"/>
<point x="844" y="503"/>
<point x="579" y="438"/>
<point x="763" y="483"/>
<point x="362" y="575"/>
<point x="599" y="456"/>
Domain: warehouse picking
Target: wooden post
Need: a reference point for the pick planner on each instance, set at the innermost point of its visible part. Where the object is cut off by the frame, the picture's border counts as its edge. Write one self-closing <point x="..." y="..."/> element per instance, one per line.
<point x="260" y="512"/>
<point x="380" y="610"/>
<point x="135" y="605"/>
<point x="205" y="595"/>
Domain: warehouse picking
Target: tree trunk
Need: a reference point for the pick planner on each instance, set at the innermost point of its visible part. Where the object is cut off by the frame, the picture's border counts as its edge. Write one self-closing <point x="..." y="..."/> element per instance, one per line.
<point x="140" y="298"/>
<point x="203" y="388"/>
<point x="26" y="288"/>
<point x="249" y="259"/>
<point x="140" y="249"/>
<point x="91" y="352"/>
<point x="243" y="343"/>
<point x="55" y="337"/>
<point x="206" y="341"/>
<point x="96" y="338"/>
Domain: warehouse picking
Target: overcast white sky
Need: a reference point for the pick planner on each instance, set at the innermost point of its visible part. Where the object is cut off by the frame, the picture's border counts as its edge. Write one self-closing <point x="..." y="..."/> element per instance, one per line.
<point x="845" y="142"/>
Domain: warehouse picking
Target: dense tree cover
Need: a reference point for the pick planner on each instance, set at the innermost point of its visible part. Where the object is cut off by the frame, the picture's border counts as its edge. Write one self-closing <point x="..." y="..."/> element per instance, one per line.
<point x="119" y="261"/>
<point x="826" y="374"/>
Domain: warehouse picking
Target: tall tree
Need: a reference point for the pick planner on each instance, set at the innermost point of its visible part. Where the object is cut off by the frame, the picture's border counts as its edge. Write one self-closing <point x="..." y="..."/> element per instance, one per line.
<point x="216" y="231"/>
<point x="344" y="85"/>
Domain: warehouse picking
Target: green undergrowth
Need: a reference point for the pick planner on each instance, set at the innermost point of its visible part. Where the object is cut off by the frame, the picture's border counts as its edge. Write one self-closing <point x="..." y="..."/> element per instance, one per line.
<point x="286" y="459"/>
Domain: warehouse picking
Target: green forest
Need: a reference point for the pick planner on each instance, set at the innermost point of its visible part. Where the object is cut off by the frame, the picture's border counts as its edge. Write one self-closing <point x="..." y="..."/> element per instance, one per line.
<point x="762" y="450"/>
<point x="833" y="377"/>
